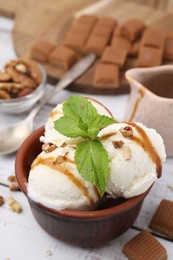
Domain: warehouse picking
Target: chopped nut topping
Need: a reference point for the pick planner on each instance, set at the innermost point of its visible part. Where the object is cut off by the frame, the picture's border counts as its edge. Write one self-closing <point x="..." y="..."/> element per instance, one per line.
<point x="118" y="143"/>
<point x="11" y="178"/>
<point x="49" y="147"/>
<point x="21" y="68"/>
<point x="170" y="186"/>
<point x="59" y="160"/>
<point x="1" y="200"/>
<point x="126" y="131"/>
<point x="14" y="205"/>
<point x="126" y="152"/>
<point x="64" y="145"/>
<point x="49" y="252"/>
<point x="14" y="186"/>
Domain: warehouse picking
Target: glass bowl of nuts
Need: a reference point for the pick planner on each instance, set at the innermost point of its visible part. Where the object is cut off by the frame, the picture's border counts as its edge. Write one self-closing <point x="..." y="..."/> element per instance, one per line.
<point x="22" y="83"/>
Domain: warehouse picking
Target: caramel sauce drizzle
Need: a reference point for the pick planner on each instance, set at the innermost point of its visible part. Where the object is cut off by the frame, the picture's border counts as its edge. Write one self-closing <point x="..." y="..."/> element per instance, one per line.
<point x="148" y="147"/>
<point x="49" y="163"/>
<point x="54" y="113"/>
<point x="141" y="92"/>
<point x="103" y="137"/>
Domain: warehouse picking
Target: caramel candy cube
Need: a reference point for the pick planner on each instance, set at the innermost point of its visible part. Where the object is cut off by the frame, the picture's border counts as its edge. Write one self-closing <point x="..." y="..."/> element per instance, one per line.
<point x="162" y="220"/>
<point x="62" y="57"/>
<point x="153" y="38"/>
<point x="104" y="31"/>
<point x="132" y="29"/>
<point x="75" y="41"/>
<point x="107" y="21"/>
<point x="149" y="57"/>
<point x="117" y="31"/>
<point x="41" y="50"/>
<point x="135" y="48"/>
<point x="81" y="28"/>
<point x="168" y="50"/>
<point x="106" y="76"/>
<point x="88" y="19"/>
<point x="144" y="246"/>
<point x="114" y="55"/>
<point x="121" y="43"/>
<point x="96" y="44"/>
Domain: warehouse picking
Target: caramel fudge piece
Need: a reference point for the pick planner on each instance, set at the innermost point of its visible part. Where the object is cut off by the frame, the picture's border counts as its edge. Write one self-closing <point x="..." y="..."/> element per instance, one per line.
<point x="62" y="57"/>
<point x="144" y="246"/>
<point x="168" y="50"/>
<point x="117" y="31"/>
<point x="106" y="76"/>
<point x="135" y="48"/>
<point x="162" y="220"/>
<point x="96" y="44"/>
<point x="149" y="57"/>
<point x="121" y="43"/>
<point x="153" y="38"/>
<point x="41" y="50"/>
<point x="75" y="42"/>
<point x="81" y="28"/>
<point x="114" y="55"/>
<point x="104" y="31"/>
<point x="132" y="29"/>
<point x="107" y="21"/>
<point x="88" y="19"/>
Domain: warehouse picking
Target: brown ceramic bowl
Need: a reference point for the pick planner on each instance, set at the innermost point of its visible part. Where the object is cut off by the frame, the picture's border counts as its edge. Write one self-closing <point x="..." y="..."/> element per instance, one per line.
<point x="82" y="228"/>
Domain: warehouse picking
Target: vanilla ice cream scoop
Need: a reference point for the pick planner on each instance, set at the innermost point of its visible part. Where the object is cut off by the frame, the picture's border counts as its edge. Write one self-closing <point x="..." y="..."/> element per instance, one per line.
<point x="51" y="135"/>
<point x="135" y="154"/>
<point x="55" y="182"/>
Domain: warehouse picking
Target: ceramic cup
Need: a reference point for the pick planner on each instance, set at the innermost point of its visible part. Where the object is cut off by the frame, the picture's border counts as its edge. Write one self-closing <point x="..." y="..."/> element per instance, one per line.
<point x="151" y="100"/>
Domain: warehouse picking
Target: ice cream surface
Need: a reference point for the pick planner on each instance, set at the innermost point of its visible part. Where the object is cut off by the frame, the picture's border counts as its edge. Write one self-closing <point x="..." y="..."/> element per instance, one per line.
<point x="135" y="156"/>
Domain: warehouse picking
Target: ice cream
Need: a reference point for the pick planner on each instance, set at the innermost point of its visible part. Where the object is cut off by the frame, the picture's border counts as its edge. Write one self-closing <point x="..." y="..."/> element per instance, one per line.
<point x="135" y="155"/>
<point x="54" y="180"/>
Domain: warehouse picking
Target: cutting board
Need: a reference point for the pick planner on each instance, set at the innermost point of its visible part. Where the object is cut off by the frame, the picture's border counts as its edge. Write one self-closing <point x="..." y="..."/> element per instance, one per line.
<point x="51" y="19"/>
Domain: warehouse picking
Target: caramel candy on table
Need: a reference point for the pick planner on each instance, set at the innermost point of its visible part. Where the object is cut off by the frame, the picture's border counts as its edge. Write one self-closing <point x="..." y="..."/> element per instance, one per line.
<point x="106" y="76"/>
<point x="114" y="55"/>
<point x="107" y="21"/>
<point x="104" y="31"/>
<point x="121" y="43"/>
<point x="153" y="38"/>
<point x="88" y="19"/>
<point x="81" y="28"/>
<point x="76" y="41"/>
<point x="96" y="44"/>
<point x="149" y="57"/>
<point x="162" y="220"/>
<point x="135" y="48"/>
<point x="132" y="29"/>
<point x="62" y="57"/>
<point x="41" y="50"/>
<point x="168" y="50"/>
<point x="144" y="246"/>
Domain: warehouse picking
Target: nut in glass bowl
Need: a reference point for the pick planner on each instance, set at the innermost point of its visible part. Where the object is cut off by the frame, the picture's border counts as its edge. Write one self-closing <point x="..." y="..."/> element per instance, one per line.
<point x="22" y="83"/>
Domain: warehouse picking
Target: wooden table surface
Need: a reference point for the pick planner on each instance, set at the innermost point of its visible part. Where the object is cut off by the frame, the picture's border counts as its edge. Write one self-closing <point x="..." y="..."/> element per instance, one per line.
<point x="20" y="236"/>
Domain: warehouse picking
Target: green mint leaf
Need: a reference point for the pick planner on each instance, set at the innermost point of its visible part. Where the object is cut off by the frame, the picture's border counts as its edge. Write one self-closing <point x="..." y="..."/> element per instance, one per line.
<point x="68" y="127"/>
<point x="92" y="163"/>
<point x="100" y="122"/>
<point x="81" y="110"/>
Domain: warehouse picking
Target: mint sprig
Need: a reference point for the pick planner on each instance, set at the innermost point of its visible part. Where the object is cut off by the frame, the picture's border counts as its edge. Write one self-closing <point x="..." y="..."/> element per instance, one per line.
<point x="81" y="119"/>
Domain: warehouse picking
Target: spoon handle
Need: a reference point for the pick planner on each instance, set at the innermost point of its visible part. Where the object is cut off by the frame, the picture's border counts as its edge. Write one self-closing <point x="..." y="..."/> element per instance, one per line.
<point x="77" y="70"/>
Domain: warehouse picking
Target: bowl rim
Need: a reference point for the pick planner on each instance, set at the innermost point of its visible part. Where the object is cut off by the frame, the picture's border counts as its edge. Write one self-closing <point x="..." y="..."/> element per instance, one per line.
<point x="69" y="213"/>
<point x="30" y="95"/>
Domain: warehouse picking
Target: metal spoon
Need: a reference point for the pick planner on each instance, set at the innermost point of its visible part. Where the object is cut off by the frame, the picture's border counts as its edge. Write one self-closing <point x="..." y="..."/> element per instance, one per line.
<point x="11" y="138"/>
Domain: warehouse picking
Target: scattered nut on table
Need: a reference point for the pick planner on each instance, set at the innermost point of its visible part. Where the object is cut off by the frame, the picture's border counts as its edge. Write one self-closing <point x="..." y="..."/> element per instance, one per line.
<point x="14" y="205"/>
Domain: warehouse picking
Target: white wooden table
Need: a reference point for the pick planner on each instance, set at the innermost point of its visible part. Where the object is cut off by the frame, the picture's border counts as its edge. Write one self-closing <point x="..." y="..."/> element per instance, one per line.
<point x="20" y="236"/>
